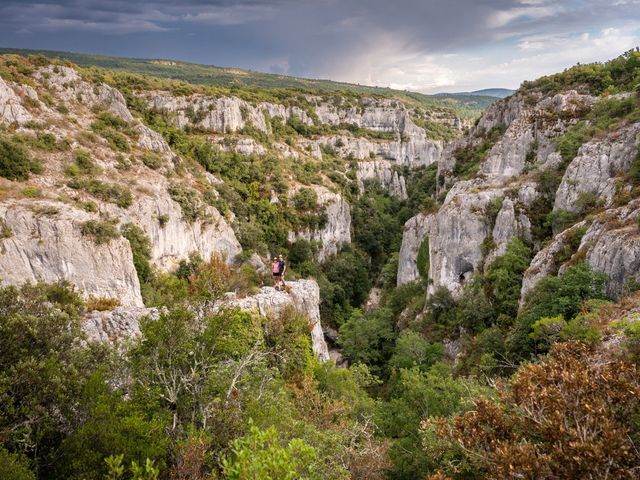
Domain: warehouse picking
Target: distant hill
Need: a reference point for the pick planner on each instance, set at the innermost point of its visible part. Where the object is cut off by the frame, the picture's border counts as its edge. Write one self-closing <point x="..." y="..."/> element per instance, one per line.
<point x="493" y="92"/>
<point x="463" y="105"/>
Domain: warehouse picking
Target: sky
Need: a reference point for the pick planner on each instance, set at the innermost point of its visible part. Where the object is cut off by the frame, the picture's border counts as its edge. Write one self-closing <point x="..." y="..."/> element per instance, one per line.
<point x="421" y="45"/>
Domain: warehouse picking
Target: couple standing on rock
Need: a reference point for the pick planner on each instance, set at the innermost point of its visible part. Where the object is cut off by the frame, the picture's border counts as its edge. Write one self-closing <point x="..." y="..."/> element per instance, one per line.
<point x="279" y="267"/>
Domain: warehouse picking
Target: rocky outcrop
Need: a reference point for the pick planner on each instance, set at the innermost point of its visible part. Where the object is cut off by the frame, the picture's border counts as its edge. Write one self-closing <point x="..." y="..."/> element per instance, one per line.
<point x="337" y="228"/>
<point x="303" y="295"/>
<point x="616" y="252"/>
<point x="510" y="222"/>
<point x="11" y="108"/>
<point x="46" y="244"/>
<point x="545" y="263"/>
<point x="382" y="170"/>
<point x="413" y="233"/>
<point x="411" y="145"/>
<point x="611" y="245"/>
<point x="591" y="175"/>
<point x="172" y="238"/>
<point x="151" y="140"/>
<point x="66" y="82"/>
<point x="112" y="326"/>
<point x="456" y="236"/>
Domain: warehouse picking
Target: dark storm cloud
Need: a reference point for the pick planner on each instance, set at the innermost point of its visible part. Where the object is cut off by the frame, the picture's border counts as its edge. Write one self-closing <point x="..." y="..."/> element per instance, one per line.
<point x="350" y="39"/>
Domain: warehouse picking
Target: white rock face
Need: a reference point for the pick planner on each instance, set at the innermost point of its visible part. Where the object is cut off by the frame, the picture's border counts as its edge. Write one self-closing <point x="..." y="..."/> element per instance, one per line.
<point x="119" y="324"/>
<point x="383" y="171"/>
<point x="230" y="114"/>
<point x="413" y="150"/>
<point x="304" y="295"/>
<point x="337" y="230"/>
<point x="151" y="140"/>
<point x="544" y="263"/>
<point x="176" y="239"/>
<point x="71" y="87"/>
<point x="51" y="247"/>
<point x="610" y="245"/>
<point x="11" y="109"/>
<point x="414" y="232"/>
<point x="509" y="223"/>
<point x="594" y="169"/>
<point x="456" y="236"/>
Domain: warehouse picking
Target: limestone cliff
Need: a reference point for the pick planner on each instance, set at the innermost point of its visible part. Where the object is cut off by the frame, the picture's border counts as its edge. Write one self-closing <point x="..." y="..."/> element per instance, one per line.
<point x="515" y="140"/>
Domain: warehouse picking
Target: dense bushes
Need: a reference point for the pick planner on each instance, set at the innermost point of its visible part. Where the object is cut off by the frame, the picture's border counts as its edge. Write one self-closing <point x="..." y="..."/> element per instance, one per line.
<point x="102" y="231"/>
<point x="570" y="416"/>
<point x="15" y="161"/>
<point x="140" y="248"/>
<point x="617" y="75"/>
<point x="107" y="192"/>
<point x="227" y="394"/>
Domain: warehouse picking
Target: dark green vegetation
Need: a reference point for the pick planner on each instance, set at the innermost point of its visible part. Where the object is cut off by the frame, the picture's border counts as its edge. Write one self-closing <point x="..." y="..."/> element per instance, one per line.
<point x="15" y="161"/>
<point x="231" y="395"/>
<point x="236" y="81"/>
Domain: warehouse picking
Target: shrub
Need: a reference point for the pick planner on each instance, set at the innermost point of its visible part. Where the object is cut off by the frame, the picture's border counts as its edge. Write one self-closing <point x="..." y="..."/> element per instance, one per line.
<point x="561" y="219"/>
<point x="504" y="277"/>
<point x="101" y="231"/>
<point x="368" y="338"/>
<point x="31" y="192"/>
<point x="101" y="304"/>
<point x="15" y="162"/>
<point x="411" y="350"/>
<point x="423" y="260"/>
<point x="305" y="199"/>
<point x="189" y="200"/>
<point x="152" y="160"/>
<point x="85" y="163"/>
<point x="140" y="248"/>
<point x="108" y="192"/>
<point x="551" y="297"/>
<point x="260" y="455"/>
<point x="14" y="466"/>
<point x="5" y="230"/>
<point x="570" y="416"/>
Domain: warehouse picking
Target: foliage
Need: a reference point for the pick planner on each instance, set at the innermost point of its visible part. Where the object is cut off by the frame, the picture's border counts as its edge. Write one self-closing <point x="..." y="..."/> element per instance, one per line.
<point x="259" y="455"/>
<point x="551" y="297"/>
<point x="504" y="277"/>
<point x="15" y="161"/>
<point x="14" y="466"/>
<point x="417" y="394"/>
<point x="411" y="350"/>
<point x="423" y="259"/>
<point x="41" y="368"/>
<point x="140" y="248"/>
<point x="100" y="231"/>
<point x="552" y="424"/>
<point x="101" y="304"/>
<point x="108" y="192"/>
<point x="617" y="75"/>
<point x="469" y="158"/>
<point x="189" y="200"/>
<point x="348" y="281"/>
<point x="368" y="338"/>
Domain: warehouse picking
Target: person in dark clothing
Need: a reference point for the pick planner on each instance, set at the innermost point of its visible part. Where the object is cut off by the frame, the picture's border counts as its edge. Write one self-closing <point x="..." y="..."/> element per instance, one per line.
<point x="282" y="268"/>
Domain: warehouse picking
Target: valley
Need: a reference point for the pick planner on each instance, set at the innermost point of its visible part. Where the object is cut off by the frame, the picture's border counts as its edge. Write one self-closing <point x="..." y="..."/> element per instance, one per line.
<point x="450" y="271"/>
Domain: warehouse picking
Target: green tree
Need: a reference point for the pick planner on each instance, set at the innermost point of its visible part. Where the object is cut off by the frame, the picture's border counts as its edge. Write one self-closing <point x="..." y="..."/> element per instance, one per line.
<point x="259" y="456"/>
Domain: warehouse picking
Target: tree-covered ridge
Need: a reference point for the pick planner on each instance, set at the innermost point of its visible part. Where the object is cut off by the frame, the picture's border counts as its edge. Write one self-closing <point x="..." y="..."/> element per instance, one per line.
<point x="622" y="74"/>
<point x="250" y="84"/>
